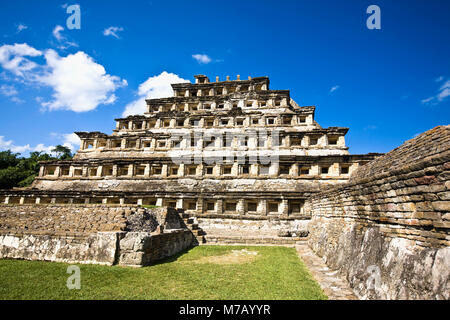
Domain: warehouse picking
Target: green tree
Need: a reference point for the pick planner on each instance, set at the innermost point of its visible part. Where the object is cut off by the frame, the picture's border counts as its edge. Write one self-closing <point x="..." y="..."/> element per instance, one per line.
<point x="27" y="181"/>
<point x="11" y="176"/>
<point x="18" y="171"/>
<point x="8" y="159"/>
<point x="62" y="152"/>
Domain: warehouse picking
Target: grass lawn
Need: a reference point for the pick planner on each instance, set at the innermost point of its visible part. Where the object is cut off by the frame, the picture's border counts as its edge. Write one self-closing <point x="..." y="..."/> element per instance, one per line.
<point x="204" y="272"/>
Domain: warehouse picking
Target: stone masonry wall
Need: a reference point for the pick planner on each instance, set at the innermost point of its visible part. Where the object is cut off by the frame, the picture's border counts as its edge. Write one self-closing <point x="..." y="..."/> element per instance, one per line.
<point x="253" y="230"/>
<point x="141" y="249"/>
<point x="247" y="226"/>
<point x="62" y="220"/>
<point x="96" y="248"/>
<point x="387" y="230"/>
<point x="91" y="233"/>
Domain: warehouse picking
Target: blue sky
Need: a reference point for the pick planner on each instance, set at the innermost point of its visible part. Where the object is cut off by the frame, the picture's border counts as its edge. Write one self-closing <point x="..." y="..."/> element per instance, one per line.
<point x="385" y="85"/>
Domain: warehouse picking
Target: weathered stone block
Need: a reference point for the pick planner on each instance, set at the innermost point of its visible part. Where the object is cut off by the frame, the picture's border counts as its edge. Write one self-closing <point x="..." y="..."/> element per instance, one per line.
<point x="441" y="205"/>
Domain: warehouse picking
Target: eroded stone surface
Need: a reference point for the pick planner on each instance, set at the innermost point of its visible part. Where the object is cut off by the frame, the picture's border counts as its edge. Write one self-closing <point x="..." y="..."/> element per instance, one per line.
<point x="387" y="230"/>
<point x="92" y="234"/>
<point x="98" y="248"/>
<point x="142" y="248"/>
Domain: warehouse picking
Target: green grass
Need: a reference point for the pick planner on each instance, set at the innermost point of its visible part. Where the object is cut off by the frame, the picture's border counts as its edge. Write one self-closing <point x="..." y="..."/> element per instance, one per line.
<point x="276" y="273"/>
<point x="149" y="206"/>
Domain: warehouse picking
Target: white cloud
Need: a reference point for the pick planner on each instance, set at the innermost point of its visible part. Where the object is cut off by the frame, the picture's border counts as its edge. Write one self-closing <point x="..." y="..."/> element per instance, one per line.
<point x="154" y="87"/>
<point x="8" y="91"/>
<point x="427" y="100"/>
<point x="12" y="58"/>
<point x="68" y="44"/>
<point x="57" y="33"/>
<point x="334" y="88"/>
<point x="4" y="144"/>
<point x="9" y="145"/>
<point x="135" y="107"/>
<point x="17" y="100"/>
<point x="64" y="43"/>
<point x="21" y="149"/>
<point x="42" y="148"/>
<point x="443" y="93"/>
<point x="439" y="79"/>
<point x="69" y="140"/>
<point x="11" y="92"/>
<point x="21" y="27"/>
<point x="202" y="58"/>
<point x="79" y="83"/>
<point x="112" y="31"/>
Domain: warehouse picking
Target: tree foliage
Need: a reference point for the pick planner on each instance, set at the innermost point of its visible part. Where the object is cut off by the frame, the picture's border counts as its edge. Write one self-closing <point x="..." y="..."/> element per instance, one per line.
<point x="8" y="159"/>
<point x="62" y="152"/>
<point x="16" y="171"/>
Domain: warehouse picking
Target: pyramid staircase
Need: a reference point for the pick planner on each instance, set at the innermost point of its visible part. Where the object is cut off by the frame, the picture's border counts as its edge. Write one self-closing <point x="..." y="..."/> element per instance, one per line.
<point x="192" y="225"/>
<point x="229" y="239"/>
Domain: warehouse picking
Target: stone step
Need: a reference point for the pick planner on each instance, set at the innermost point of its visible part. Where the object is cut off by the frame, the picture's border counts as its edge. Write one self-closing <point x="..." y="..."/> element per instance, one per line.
<point x="188" y="220"/>
<point x="198" y="232"/>
<point x="200" y="239"/>
<point x="193" y="226"/>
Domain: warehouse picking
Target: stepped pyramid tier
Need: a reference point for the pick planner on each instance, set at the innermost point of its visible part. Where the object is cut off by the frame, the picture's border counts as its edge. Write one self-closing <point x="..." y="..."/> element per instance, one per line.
<point x="215" y="148"/>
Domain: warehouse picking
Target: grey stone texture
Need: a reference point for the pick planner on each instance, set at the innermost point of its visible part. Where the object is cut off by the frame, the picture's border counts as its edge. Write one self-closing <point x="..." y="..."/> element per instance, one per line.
<point x="387" y="230"/>
<point x="140" y="248"/>
<point x="96" y="248"/>
<point x="92" y="234"/>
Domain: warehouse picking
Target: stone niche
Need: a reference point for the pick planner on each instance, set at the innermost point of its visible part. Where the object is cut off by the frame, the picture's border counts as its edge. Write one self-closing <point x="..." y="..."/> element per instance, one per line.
<point x="98" y="234"/>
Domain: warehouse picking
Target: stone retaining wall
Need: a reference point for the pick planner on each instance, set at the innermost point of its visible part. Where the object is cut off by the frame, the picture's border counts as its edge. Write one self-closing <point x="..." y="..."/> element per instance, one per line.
<point x="97" y="248"/>
<point x="91" y="233"/>
<point x="387" y="230"/>
<point x="247" y="226"/>
<point x="141" y="249"/>
<point x="62" y="220"/>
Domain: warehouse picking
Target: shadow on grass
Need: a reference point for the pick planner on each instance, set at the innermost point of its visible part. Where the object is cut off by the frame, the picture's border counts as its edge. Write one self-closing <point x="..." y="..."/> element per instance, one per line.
<point x="172" y="258"/>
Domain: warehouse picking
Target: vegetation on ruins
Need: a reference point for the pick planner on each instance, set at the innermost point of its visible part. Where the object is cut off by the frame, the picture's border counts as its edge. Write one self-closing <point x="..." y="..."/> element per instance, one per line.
<point x="17" y="171"/>
<point x="204" y="272"/>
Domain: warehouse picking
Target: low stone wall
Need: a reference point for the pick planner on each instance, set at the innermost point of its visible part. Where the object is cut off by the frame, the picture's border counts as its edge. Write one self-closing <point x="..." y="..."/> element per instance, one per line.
<point x="62" y="220"/>
<point x="141" y="249"/>
<point x="97" y="248"/>
<point x="248" y="226"/>
<point x="268" y="226"/>
<point x="387" y="230"/>
<point x="98" y="234"/>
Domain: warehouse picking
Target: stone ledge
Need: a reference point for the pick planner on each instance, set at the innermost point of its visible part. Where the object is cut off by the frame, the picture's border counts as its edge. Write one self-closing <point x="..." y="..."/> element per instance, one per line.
<point x="215" y="239"/>
<point x="247" y="217"/>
